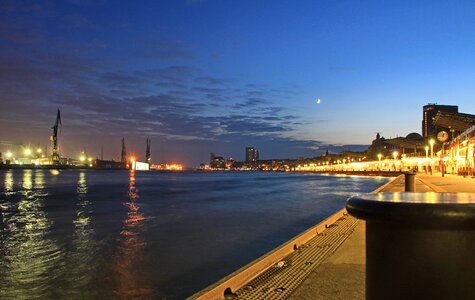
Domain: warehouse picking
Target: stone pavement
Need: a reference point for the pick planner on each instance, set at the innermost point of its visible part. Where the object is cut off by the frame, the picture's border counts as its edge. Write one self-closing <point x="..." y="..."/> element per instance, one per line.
<point x="342" y="275"/>
<point x="450" y="183"/>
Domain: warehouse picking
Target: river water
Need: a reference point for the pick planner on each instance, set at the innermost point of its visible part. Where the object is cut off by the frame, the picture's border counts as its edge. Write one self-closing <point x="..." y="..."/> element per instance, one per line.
<point x="150" y="235"/>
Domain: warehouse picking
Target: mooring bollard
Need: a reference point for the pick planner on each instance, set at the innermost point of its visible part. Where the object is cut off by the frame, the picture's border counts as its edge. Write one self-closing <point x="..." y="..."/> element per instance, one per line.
<point x="410" y="181"/>
<point x="418" y="245"/>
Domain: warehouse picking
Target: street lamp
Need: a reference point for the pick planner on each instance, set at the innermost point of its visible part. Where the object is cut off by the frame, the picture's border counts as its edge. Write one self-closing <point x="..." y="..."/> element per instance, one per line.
<point x="431" y="142"/>
<point x="427" y="158"/>
<point x="395" y="154"/>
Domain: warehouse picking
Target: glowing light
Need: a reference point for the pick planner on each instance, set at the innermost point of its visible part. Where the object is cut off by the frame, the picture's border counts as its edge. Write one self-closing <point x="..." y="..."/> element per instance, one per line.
<point x="174" y="167"/>
<point x="38" y="150"/>
<point x="89" y="159"/>
<point x="54" y="172"/>
<point x="395" y="154"/>
<point x="140" y="166"/>
<point x="9" y="154"/>
<point x="82" y="158"/>
<point x="27" y="152"/>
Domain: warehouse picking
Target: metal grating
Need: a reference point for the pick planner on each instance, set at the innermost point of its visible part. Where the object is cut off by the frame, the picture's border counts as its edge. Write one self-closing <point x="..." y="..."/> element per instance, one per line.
<point x="280" y="280"/>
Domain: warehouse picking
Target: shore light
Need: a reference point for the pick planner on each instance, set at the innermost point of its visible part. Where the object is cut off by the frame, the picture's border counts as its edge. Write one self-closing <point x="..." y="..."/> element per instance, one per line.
<point x="82" y="158"/>
<point x="38" y="150"/>
<point x="427" y="151"/>
<point x="27" y="152"/>
<point x="9" y="154"/>
<point x="395" y="154"/>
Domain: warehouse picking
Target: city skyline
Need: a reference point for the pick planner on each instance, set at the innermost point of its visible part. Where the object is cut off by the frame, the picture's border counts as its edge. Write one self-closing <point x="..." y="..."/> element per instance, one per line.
<point x="216" y="76"/>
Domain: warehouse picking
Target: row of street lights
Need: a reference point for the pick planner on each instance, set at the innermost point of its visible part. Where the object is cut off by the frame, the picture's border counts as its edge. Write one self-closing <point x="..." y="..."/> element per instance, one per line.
<point x="27" y="152"/>
<point x="431" y="143"/>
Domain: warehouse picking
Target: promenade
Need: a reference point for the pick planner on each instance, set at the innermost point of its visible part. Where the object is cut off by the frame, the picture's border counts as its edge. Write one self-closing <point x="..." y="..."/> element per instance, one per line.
<point x="330" y="265"/>
<point x="342" y="275"/>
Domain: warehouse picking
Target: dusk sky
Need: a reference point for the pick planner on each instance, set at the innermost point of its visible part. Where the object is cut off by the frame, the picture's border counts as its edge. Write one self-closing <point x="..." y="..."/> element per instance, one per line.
<point x="201" y="76"/>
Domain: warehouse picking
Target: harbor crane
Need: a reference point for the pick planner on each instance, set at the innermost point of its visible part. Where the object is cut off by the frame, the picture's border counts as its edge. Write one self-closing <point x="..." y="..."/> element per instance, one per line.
<point x="55" y="158"/>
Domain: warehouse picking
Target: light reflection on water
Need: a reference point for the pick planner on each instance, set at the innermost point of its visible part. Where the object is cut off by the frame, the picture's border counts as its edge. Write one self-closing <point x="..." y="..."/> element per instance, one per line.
<point x="129" y="257"/>
<point x="30" y="259"/>
<point x="127" y="235"/>
<point x="79" y="261"/>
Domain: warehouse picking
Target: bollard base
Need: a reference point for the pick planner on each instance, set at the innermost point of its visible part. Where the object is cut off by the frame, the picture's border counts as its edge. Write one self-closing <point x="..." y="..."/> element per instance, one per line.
<point x="409" y="182"/>
<point x="418" y="245"/>
<point x="407" y="263"/>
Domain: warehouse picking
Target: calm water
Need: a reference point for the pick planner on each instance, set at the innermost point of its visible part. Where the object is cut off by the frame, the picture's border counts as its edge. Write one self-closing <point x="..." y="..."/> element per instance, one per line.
<point x="125" y="234"/>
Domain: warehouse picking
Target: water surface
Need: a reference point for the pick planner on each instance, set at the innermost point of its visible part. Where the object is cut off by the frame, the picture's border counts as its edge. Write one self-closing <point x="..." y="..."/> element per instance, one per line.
<point x="126" y="234"/>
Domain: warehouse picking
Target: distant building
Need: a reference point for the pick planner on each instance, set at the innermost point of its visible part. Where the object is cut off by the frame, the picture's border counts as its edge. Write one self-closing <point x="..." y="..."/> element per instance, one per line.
<point x="217" y="162"/>
<point x="252" y="154"/>
<point x="230" y="163"/>
<point x="109" y="164"/>
<point x="429" y="111"/>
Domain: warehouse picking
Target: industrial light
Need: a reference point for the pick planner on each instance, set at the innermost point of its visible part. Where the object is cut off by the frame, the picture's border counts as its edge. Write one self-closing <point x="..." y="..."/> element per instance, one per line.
<point x="82" y="158"/>
<point x="39" y="150"/>
<point x="27" y="152"/>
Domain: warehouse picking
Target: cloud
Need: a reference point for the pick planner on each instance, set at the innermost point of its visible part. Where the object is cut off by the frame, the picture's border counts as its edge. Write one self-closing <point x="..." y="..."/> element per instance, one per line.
<point x="250" y="103"/>
<point x="169" y="73"/>
<point x="208" y="80"/>
<point x="108" y="91"/>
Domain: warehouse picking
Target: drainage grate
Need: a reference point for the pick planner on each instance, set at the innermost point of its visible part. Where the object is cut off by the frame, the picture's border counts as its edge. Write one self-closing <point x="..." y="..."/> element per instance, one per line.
<point x="281" y="279"/>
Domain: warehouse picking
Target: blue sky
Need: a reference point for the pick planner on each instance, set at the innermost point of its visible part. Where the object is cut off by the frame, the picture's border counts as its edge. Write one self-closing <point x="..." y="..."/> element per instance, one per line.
<point x="217" y="76"/>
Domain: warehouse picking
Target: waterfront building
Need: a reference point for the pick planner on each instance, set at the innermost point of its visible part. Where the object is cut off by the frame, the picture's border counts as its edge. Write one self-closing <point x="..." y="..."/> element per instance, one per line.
<point x="453" y="123"/>
<point x="217" y="162"/>
<point x="429" y="112"/>
<point x="252" y="154"/>
<point x="108" y="164"/>
<point x="230" y="163"/>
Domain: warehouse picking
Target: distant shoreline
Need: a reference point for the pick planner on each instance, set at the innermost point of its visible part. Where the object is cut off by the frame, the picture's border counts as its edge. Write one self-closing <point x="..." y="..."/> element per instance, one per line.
<point x="51" y="167"/>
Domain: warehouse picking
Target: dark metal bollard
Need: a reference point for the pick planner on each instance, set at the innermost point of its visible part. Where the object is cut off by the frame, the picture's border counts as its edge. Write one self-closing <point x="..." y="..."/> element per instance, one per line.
<point x="409" y="181"/>
<point x="418" y="245"/>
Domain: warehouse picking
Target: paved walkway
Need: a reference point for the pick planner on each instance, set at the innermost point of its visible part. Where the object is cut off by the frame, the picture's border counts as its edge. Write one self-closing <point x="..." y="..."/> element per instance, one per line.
<point x="342" y="275"/>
